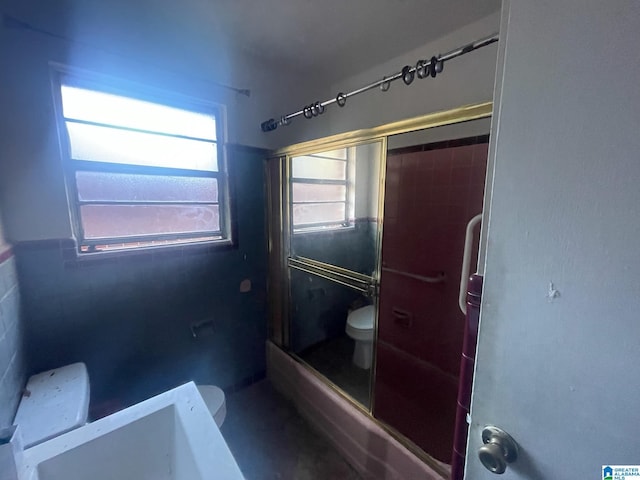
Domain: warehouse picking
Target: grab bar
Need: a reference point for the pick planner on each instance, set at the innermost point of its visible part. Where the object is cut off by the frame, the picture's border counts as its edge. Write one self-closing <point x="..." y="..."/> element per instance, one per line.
<point x="366" y="288"/>
<point x="440" y="277"/>
<point x="466" y="262"/>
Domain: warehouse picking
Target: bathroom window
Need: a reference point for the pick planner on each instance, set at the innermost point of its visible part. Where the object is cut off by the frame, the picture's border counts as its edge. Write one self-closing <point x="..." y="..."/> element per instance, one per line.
<point x="142" y="173"/>
<point x="321" y="193"/>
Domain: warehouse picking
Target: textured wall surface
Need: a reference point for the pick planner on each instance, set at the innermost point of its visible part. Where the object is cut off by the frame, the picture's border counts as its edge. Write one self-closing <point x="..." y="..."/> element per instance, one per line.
<point x="319" y="309"/>
<point x="557" y="358"/>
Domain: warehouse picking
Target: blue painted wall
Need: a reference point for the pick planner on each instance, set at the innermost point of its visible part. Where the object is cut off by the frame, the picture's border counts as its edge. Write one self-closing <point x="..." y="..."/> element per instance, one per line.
<point x="319" y="309"/>
<point x="353" y="248"/>
<point x="129" y="318"/>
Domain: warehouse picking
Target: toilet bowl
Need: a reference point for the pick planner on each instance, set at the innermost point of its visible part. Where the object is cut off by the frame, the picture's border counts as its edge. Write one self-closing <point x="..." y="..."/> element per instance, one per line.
<point x="360" y="328"/>
<point x="214" y="399"/>
<point x="57" y="401"/>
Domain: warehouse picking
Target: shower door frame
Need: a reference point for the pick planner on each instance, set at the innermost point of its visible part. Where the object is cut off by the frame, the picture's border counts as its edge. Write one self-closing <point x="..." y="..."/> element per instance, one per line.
<point x="279" y="235"/>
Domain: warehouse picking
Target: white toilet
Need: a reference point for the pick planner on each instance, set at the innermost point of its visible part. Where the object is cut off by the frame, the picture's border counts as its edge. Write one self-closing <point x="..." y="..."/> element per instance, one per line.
<point x="360" y="328"/>
<point x="214" y="398"/>
<point x="57" y="401"/>
<point x="54" y="402"/>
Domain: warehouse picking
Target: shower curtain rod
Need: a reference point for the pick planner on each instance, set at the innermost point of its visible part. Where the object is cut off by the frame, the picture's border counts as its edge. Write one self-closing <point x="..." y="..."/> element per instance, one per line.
<point x="422" y="69"/>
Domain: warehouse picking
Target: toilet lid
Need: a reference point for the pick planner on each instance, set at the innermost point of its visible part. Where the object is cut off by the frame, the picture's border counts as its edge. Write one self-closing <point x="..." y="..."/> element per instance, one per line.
<point x="53" y="402"/>
<point x="362" y="318"/>
<point x="214" y="399"/>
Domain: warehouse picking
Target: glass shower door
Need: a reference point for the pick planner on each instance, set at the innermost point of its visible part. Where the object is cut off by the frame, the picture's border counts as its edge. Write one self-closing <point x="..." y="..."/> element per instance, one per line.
<point x="334" y="263"/>
<point x="334" y="230"/>
<point x="435" y="185"/>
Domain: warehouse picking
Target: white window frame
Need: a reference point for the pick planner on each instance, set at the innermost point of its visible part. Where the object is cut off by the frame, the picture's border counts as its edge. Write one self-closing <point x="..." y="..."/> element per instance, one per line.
<point x="61" y="75"/>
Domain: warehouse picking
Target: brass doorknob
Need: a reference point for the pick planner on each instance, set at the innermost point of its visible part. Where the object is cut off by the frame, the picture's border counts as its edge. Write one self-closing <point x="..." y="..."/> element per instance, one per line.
<point x="498" y="451"/>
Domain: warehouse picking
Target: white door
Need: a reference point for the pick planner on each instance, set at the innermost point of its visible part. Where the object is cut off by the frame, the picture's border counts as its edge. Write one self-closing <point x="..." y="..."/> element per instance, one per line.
<point x="558" y="363"/>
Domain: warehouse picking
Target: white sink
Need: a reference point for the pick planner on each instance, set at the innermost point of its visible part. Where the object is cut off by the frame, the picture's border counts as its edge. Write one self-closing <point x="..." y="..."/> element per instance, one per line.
<point x="169" y="437"/>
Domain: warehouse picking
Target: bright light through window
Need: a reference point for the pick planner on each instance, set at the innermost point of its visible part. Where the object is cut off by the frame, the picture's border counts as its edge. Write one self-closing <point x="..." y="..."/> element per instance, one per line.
<point x="106" y="144"/>
<point x="145" y="174"/>
<point x="109" y="109"/>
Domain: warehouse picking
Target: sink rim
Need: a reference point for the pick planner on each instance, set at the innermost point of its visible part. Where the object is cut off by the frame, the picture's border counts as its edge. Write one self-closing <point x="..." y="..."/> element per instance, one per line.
<point x="209" y="449"/>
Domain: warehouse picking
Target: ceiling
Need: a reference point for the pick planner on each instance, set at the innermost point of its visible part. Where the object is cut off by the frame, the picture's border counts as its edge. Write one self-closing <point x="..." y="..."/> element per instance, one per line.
<point x="320" y="35"/>
<point x="326" y="38"/>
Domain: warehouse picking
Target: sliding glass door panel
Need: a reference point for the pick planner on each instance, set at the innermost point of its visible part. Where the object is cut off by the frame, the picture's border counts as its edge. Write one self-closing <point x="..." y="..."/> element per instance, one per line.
<point x="333" y="200"/>
<point x="435" y="185"/>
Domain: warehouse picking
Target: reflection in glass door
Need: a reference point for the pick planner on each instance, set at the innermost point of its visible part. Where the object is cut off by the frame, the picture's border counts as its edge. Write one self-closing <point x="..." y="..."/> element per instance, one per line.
<point x="334" y="204"/>
<point x="334" y="231"/>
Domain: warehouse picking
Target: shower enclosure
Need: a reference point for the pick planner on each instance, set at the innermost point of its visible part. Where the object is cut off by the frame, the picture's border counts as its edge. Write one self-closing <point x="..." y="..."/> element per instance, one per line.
<point x="374" y="222"/>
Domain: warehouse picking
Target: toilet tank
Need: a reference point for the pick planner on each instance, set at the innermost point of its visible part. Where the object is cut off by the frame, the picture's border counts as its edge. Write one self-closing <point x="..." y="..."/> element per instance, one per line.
<point x="53" y="402"/>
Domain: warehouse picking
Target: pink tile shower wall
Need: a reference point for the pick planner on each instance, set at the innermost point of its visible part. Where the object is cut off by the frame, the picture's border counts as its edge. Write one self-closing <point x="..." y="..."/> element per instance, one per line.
<point x="430" y="197"/>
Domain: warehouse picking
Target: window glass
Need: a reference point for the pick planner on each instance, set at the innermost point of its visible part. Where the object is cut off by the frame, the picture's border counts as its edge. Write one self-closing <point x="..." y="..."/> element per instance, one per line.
<point x="112" y="145"/>
<point x="309" y="192"/>
<point x="318" y="213"/>
<point x="144" y="174"/>
<point x="340" y="154"/>
<point x="109" y="109"/>
<point x="320" y="196"/>
<point x="319" y="168"/>
<point x="108" y="221"/>
<point x="108" y="186"/>
<point x="335" y="220"/>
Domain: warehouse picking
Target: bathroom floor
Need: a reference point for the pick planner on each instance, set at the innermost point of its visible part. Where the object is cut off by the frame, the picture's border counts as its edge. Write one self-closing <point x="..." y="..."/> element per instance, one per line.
<point x="270" y="441"/>
<point x="333" y="359"/>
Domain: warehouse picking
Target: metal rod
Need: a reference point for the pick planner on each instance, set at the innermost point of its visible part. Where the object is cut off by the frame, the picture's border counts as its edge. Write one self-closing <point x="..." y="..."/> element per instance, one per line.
<point x="318" y="181"/>
<point x="151" y="170"/>
<point x="152" y="203"/>
<point x="440" y="277"/>
<point x="138" y="130"/>
<point x="317" y="108"/>
<point x="333" y="272"/>
<point x="360" y="277"/>
<point x="328" y="277"/>
<point x="149" y="237"/>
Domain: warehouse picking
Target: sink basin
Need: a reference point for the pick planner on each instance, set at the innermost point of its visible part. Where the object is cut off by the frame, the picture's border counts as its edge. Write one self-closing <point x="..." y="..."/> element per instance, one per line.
<point x="169" y="437"/>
